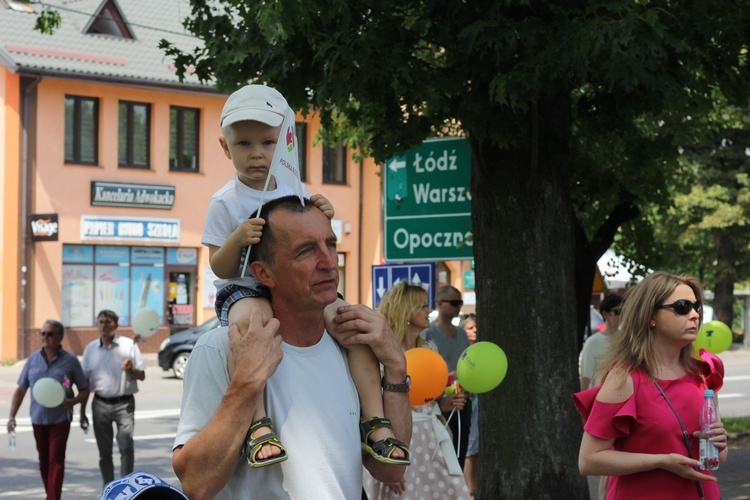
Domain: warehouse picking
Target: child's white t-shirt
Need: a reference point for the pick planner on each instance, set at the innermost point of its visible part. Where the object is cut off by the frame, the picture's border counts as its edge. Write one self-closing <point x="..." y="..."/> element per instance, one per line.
<point x="229" y="207"/>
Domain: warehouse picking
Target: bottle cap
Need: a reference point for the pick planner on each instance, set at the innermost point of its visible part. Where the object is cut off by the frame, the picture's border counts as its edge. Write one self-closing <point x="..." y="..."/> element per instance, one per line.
<point x="708" y="393"/>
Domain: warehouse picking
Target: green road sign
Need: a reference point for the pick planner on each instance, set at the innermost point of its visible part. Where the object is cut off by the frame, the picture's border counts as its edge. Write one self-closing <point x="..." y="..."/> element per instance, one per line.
<point x="428" y="204"/>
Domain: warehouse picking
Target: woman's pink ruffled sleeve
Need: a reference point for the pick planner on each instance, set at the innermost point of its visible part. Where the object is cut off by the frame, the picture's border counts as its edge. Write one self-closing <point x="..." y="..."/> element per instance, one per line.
<point x="712" y="369"/>
<point x="605" y="420"/>
<point x="584" y="400"/>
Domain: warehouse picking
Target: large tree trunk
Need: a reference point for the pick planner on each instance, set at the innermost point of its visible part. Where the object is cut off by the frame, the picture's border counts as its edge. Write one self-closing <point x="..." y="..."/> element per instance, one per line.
<point x="524" y="254"/>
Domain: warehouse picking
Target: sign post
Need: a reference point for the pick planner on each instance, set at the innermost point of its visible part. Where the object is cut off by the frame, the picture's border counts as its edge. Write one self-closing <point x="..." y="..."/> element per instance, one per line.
<point x="428" y="204"/>
<point x="385" y="277"/>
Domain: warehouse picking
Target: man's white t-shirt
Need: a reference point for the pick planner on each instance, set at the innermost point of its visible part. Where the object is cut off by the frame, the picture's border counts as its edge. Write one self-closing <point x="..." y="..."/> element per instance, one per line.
<point x="229" y="207"/>
<point x="592" y="353"/>
<point x="314" y="406"/>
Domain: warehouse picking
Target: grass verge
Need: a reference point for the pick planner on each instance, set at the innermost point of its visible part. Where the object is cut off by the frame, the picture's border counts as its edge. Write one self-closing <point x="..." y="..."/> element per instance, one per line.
<point x="736" y="425"/>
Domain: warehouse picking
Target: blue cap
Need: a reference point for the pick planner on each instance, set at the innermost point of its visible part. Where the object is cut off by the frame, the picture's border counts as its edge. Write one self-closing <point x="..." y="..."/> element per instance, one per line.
<point x="141" y="484"/>
<point x="708" y="393"/>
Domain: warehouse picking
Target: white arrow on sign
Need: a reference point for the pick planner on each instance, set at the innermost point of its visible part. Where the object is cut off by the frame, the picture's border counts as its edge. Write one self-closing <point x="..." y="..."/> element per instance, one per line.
<point x="396" y="165"/>
<point x="381" y="288"/>
<point x="415" y="280"/>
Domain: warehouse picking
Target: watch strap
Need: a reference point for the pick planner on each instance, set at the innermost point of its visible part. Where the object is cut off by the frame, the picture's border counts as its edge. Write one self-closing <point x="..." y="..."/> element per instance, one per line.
<point x="402" y="387"/>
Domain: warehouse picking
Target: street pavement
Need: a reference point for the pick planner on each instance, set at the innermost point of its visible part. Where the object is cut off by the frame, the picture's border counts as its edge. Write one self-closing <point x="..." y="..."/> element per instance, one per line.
<point x="82" y="480"/>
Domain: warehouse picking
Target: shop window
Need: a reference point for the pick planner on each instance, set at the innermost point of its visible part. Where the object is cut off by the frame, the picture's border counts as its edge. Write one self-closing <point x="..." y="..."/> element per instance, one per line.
<point x="81" y="130"/>
<point x="302" y="149"/>
<point x="123" y="279"/>
<point x="334" y="164"/>
<point x="183" y="139"/>
<point x="134" y="135"/>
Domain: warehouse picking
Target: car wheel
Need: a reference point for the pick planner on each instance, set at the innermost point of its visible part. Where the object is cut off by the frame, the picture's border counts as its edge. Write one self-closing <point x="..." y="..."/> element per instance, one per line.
<point x="179" y="363"/>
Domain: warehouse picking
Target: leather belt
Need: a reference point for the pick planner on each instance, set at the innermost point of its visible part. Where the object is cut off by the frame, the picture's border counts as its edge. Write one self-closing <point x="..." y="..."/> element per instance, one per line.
<point x="114" y="400"/>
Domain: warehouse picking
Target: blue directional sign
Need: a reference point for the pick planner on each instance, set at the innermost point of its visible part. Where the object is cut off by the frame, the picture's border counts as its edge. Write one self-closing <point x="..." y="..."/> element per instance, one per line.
<point x="385" y="277"/>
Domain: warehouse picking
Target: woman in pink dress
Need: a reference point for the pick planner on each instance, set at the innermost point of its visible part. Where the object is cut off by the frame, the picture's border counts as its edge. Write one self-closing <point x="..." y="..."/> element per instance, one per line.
<point x="633" y="431"/>
<point x="434" y="471"/>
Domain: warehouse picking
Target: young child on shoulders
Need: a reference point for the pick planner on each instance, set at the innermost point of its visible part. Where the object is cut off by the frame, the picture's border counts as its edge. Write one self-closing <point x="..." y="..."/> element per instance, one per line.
<point x="250" y="125"/>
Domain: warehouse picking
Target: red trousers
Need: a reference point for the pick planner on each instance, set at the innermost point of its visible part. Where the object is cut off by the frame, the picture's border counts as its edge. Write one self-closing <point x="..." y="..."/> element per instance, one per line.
<point x="51" y="441"/>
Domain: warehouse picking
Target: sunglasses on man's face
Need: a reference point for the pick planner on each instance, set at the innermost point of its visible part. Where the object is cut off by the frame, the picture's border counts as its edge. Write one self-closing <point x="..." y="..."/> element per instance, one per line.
<point x="455" y="302"/>
<point x="682" y="306"/>
<point x="46" y="334"/>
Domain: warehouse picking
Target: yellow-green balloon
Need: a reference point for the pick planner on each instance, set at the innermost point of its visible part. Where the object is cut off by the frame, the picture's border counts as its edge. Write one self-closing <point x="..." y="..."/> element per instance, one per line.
<point x="714" y="337"/>
<point x="481" y="367"/>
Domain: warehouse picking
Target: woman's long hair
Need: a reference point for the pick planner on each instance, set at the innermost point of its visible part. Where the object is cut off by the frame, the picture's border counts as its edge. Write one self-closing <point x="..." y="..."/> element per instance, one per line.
<point x="633" y="342"/>
<point x="399" y="303"/>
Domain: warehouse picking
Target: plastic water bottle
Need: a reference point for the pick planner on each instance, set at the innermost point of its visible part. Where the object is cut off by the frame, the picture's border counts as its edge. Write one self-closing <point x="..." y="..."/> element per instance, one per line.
<point x="12" y="437"/>
<point x="708" y="454"/>
<point x="85" y="425"/>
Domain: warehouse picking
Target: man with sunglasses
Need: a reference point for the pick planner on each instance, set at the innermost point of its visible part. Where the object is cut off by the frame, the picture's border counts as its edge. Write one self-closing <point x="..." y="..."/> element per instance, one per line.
<point x="451" y="342"/>
<point x="51" y="425"/>
<point x="597" y="345"/>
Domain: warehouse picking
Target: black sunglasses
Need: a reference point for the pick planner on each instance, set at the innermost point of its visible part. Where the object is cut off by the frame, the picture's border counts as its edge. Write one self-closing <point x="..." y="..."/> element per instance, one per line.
<point x="616" y="311"/>
<point x="683" y="306"/>
<point x="454" y="302"/>
<point x="46" y="334"/>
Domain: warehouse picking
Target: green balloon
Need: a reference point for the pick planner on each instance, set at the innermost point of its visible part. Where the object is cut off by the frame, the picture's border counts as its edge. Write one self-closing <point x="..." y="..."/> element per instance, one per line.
<point x="714" y="336"/>
<point x="481" y="367"/>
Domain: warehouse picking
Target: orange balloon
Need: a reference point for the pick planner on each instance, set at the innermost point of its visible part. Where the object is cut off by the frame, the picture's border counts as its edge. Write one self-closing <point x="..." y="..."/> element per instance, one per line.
<point x="429" y="375"/>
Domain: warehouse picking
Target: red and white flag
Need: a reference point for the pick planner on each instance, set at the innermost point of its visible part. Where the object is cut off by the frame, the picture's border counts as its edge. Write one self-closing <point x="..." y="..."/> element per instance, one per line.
<point x="285" y="161"/>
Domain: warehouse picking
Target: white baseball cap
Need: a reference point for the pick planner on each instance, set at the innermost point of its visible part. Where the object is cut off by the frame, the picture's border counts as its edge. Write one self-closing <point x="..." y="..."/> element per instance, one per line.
<point x="141" y="484"/>
<point x="255" y="102"/>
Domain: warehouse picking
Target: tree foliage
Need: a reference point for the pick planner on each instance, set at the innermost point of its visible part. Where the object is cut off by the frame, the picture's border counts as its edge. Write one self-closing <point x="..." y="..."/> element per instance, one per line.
<point x="574" y="111"/>
<point x="703" y="230"/>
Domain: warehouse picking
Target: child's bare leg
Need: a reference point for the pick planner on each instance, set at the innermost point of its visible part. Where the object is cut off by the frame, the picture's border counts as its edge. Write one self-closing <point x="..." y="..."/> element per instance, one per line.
<point x="239" y="314"/>
<point x="365" y="370"/>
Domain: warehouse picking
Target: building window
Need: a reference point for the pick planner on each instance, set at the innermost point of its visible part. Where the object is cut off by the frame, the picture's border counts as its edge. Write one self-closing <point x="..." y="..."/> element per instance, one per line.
<point x="183" y="139"/>
<point x="134" y="134"/>
<point x="81" y="130"/>
<point x="302" y="148"/>
<point x="334" y="165"/>
<point x="109" y="21"/>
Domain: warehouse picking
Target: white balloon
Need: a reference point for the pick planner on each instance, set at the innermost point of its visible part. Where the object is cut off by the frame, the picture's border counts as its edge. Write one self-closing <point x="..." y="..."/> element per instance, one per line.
<point x="48" y="392"/>
<point x="145" y="322"/>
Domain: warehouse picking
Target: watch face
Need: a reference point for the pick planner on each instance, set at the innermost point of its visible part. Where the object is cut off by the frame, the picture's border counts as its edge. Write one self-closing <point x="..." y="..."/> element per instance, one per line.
<point x="408" y="382"/>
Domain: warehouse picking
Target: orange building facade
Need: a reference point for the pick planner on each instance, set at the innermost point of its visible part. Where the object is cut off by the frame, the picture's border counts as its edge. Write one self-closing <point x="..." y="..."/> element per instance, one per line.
<point x="115" y="222"/>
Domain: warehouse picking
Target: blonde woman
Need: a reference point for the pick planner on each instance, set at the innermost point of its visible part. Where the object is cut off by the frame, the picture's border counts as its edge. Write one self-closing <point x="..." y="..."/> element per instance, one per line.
<point x="653" y="391"/>
<point x="434" y="470"/>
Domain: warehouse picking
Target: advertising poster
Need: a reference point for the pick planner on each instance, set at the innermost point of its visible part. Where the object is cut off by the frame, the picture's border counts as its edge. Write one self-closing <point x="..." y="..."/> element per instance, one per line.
<point x="112" y="291"/>
<point x="147" y="289"/>
<point x="77" y="295"/>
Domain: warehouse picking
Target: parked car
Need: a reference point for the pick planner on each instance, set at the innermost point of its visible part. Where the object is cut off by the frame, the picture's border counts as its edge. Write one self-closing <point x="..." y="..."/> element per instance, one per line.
<point x="175" y="351"/>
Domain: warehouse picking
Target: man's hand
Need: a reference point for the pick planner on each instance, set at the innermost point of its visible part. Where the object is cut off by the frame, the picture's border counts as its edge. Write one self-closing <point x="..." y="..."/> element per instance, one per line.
<point x="373" y="331"/>
<point x="257" y="351"/>
<point x="323" y="205"/>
